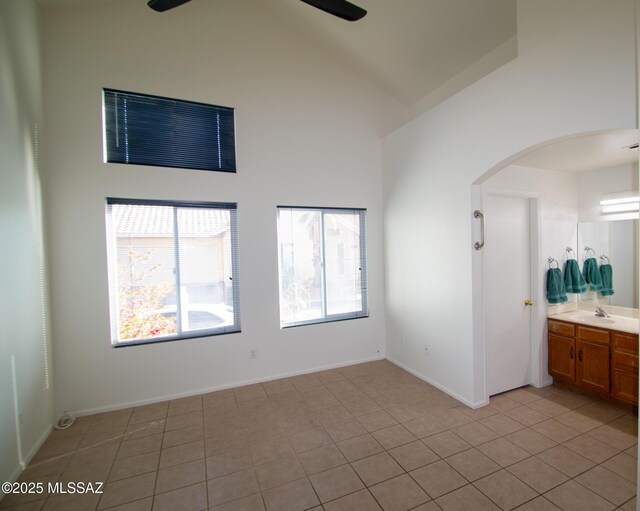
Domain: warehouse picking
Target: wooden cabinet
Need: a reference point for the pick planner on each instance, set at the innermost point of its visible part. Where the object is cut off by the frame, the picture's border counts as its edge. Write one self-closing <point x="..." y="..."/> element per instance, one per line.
<point x="624" y="367"/>
<point x="601" y="361"/>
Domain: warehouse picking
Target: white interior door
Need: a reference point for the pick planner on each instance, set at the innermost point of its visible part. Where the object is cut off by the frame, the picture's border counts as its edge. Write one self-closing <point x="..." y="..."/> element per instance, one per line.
<point x="508" y="290"/>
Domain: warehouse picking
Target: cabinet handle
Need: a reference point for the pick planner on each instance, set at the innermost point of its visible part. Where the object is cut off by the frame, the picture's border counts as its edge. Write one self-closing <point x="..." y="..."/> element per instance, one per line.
<point x="580" y="355"/>
<point x="571" y="353"/>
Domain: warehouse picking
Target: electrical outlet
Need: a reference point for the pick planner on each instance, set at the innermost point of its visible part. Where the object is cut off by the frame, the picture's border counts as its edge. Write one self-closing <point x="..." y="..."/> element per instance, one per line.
<point x="253" y="354"/>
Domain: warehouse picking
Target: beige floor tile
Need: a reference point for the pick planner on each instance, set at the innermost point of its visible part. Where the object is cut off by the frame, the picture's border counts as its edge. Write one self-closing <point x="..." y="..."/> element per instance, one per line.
<point x="502" y="403"/>
<point x="182" y="436"/>
<point x="479" y="413"/>
<point x="624" y="465"/>
<point x="271" y="451"/>
<point x="140" y="446"/>
<point x="219" y="399"/>
<point x="71" y="502"/>
<point x="185" y="405"/>
<point x="605" y="483"/>
<point x="531" y="441"/>
<point x="180" y="476"/>
<point x="321" y="459"/>
<point x="452" y="417"/>
<point x="377" y="468"/>
<point x="523" y="395"/>
<point x="393" y="436"/>
<point x="472" y="464"/>
<point x="359" y="447"/>
<point x="250" y="503"/>
<point x="399" y="494"/>
<point x="413" y="455"/>
<point x="344" y="430"/>
<point x="195" y="418"/>
<point x="446" y="443"/>
<point x="279" y="472"/>
<point x="555" y="430"/>
<point x="250" y="392"/>
<point x="333" y="414"/>
<point x="537" y="474"/>
<point x="149" y="413"/>
<point x="127" y="490"/>
<point x="591" y="448"/>
<point x="475" y="433"/>
<point x="505" y="489"/>
<point x="359" y="501"/>
<point x="570" y="399"/>
<point x="191" y="498"/>
<point x="576" y="420"/>
<point x="438" y="478"/>
<point x="311" y="439"/>
<point x="424" y="426"/>
<point x="613" y="436"/>
<point x="335" y="483"/>
<point x="600" y="411"/>
<point x="182" y="453"/>
<point x="571" y="496"/>
<point x="465" y="499"/>
<point x="143" y="429"/>
<point x="231" y="487"/>
<point x="362" y="406"/>
<point x="525" y="415"/>
<point x="538" y="504"/>
<point x="134" y="465"/>
<point x="137" y="505"/>
<point x="632" y="451"/>
<point x="565" y="460"/>
<point x="228" y="462"/>
<point x="503" y="452"/>
<point x="502" y="424"/>
<point x="548" y="407"/>
<point x="377" y="420"/>
<point x="631" y="505"/>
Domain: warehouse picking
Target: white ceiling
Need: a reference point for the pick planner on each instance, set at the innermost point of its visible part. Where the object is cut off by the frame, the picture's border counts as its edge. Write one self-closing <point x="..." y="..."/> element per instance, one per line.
<point x="585" y="152"/>
<point x="409" y="48"/>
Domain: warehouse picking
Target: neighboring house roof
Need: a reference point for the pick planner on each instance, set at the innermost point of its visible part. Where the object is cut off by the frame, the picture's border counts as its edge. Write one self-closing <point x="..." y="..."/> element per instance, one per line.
<point x="145" y="221"/>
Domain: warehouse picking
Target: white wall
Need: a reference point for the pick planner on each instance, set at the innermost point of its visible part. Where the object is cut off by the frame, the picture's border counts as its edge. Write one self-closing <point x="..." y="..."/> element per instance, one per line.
<point x="594" y="184"/>
<point x="23" y="330"/>
<point x="575" y="72"/>
<point x="308" y="133"/>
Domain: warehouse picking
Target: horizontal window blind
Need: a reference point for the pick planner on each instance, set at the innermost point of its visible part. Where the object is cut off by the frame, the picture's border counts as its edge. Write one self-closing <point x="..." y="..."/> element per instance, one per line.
<point x="172" y="270"/>
<point x="322" y="265"/>
<point x="150" y="130"/>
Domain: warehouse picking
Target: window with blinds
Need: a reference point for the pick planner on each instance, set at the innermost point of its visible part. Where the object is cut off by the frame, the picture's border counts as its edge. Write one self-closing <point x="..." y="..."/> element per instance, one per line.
<point x="322" y="265"/>
<point x="150" y="130"/>
<point x="173" y="270"/>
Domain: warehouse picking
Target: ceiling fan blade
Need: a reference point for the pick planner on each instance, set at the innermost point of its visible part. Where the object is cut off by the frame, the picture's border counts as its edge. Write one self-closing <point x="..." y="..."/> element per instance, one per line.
<point x="341" y="8"/>
<point x="165" y="5"/>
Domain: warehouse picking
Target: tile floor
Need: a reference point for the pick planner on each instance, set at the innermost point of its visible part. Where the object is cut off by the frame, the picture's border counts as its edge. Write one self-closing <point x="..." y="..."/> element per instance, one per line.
<point x="363" y="437"/>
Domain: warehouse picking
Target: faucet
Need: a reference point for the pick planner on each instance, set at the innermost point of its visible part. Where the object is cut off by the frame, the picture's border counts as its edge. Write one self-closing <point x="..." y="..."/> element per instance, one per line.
<point x="600" y="312"/>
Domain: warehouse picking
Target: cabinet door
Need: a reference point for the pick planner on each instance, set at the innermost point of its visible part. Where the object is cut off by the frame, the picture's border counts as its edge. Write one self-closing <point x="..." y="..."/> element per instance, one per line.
<point x="562" y="357"/>
<point x="592" y="366"/>
<point x="624" y="385"/>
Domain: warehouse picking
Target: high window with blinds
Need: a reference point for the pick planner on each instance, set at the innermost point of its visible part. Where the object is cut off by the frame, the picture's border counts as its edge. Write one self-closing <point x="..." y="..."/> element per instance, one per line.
<point x="173" y="270"/>
<point x="150" y="130"/>
<point x="322" y="265"/>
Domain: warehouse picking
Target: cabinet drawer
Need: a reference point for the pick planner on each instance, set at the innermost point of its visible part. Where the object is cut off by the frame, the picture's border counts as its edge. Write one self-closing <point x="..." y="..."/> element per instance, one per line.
<point x="623" y="358"/>
<point x="593" y="334"/>
<point x="566" y="329"/>
<point x="626" y="342"/>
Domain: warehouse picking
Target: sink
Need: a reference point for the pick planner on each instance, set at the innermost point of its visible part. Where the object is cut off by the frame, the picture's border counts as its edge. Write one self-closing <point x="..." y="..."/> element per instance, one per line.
<point x="591" y="319"/>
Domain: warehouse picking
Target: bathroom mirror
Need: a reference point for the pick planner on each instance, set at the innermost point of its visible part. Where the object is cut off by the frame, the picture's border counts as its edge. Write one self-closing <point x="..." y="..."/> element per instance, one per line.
<point x="617" y="241"/>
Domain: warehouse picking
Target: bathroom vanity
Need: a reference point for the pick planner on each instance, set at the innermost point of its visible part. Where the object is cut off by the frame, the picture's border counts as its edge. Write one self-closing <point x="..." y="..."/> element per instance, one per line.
<point x="598" y="355"/>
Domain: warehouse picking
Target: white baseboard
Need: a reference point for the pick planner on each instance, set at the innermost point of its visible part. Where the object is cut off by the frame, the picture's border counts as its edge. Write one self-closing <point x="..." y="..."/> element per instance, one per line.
<point x="242" y="383"/>
<point x="32" y="452"/>
<point x="447" y="391"/>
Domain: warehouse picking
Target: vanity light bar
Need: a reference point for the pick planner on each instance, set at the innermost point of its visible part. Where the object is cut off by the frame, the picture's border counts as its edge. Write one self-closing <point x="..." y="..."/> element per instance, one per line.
<point x="620" y="203"/>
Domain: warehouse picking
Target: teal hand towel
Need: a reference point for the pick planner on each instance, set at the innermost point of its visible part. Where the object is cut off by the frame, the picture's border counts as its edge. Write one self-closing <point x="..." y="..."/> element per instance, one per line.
<point x="591" y="274"/>
<point x="606" y="272"/>
<point x="556" y="292"/>
<point x="573" y="279"/>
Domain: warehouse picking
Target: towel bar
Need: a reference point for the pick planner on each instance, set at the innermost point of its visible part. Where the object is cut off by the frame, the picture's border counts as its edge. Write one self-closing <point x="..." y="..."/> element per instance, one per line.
<point x="479" y="244"/>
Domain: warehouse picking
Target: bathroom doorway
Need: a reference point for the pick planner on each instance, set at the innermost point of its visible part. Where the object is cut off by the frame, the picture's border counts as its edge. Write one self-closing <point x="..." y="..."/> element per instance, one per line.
<point x="509" y="294"/>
